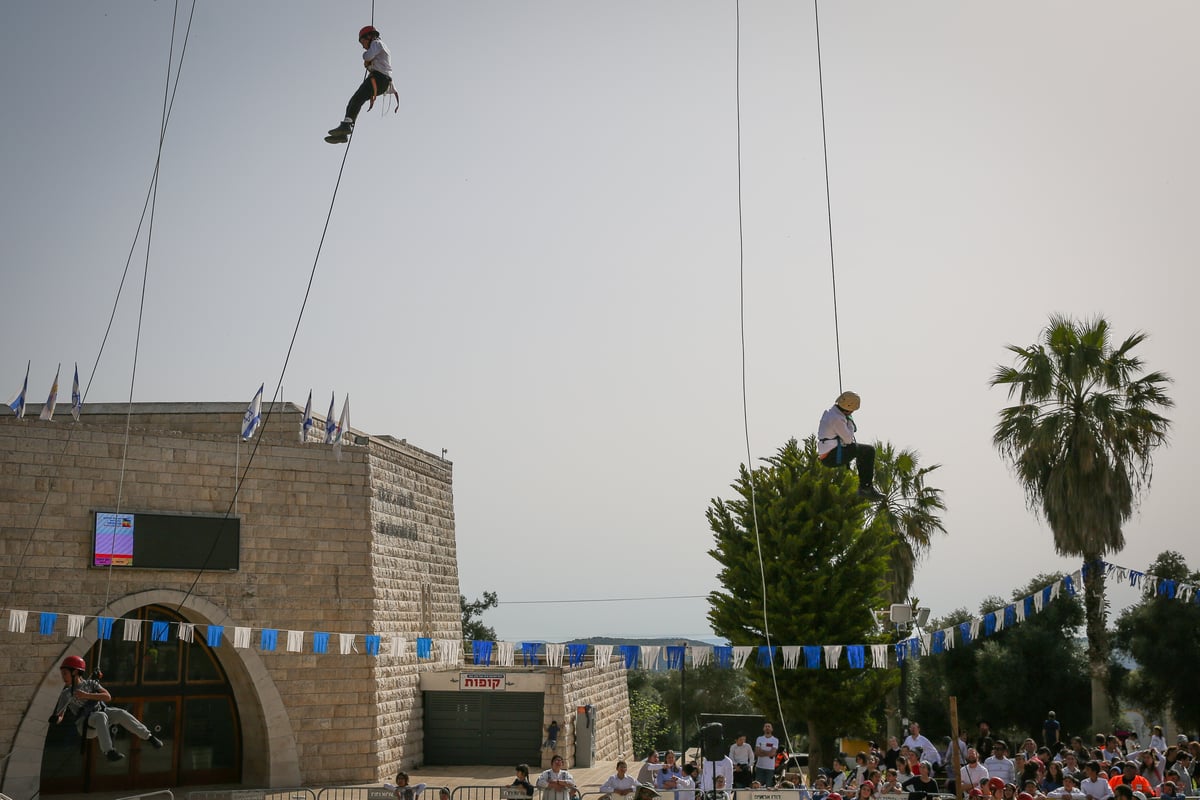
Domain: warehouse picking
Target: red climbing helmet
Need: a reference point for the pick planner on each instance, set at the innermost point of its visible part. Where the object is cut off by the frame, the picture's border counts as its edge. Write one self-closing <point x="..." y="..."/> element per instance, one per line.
<point x="366" y="31"/>
<point x="74" y="662"/>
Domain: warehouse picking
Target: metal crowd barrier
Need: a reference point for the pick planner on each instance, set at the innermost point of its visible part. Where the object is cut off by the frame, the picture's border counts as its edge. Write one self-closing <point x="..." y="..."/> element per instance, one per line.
<point x="487" y="793"/>
<point x="298" y="793"/>
<point x="375" y="793"/>
<point x="166" y="792"/>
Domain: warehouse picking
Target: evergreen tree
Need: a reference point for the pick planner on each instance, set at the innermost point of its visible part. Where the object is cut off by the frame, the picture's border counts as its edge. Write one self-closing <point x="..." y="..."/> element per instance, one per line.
<point x="1163" y="636"/>
<point x="1013" y="677"/>
<point x="825" y="571"/>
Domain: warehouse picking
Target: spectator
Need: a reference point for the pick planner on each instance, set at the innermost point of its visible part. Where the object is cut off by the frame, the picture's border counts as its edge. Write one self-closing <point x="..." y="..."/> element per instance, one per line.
<point x="402" y="789"/>
<point x="923" y="782"/>
<point x="719" y="790"/>
<point x="1069" y="789"/>
<point x="716" y="769"/>
<point x="551" y="742"/>
<point x="669" y="774"/>
<point x="861" y="767"/>
<point x="866" y="791"/>
<point x="1157" y="741"/>
<point x="649" y="771"/>
<point x="1053" y="777"/>
<point x="1112" y="750"/>
<point x="1070" y="764"/>
<point x="892" y="754"/>
<point x="1029" y="748"/>
<point x="998" y="765"/>
<point x="1129" y="777"/>
<point x="620" y="783"/>
<point x="1095" y="785"/>
<point x="556" y="783"/>
<point x="742" y="755"/>
<point x="1170" y="789"/>
<point x="685" y="784"/>
<point x="820" y="788"/>
<point x="1151" y="766"/>
<point x="1124" y="792"/>
<point x="920" y="745"/>
<point x="522" y="779"/>
<point x="984" y="740"/>
<point x="891" y="783"/>
<point x="766" y="747"/>
<point x="1051" y="730"/>
<point x="972" y="773"/>
<point x="842" y="778"/>
<point x="904" y="769"/>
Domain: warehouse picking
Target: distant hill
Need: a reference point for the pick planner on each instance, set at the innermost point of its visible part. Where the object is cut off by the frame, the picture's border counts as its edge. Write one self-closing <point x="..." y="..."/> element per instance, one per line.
<point x="662" y="642"/>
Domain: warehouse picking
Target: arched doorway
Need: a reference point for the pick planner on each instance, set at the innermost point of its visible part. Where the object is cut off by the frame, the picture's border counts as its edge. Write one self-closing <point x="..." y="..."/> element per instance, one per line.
<point x="179" y="691"/>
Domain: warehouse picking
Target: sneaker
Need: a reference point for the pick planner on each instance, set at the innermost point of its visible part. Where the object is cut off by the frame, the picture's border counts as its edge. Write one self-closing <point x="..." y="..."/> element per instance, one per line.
<point x="113" y="755"/>
<point x="869" y="492"/>
<point x="155" y="742"/>
<point x="345" y="129"/>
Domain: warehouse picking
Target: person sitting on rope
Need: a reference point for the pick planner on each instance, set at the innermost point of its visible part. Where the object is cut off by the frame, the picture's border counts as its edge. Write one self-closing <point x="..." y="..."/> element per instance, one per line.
<point x="85" y="699"/>
<point x="377" y="60"/>
<point x="836" y="446"/>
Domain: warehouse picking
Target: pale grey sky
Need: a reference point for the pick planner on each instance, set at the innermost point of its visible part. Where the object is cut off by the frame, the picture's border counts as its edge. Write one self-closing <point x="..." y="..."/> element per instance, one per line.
<point x="534" y="263"/>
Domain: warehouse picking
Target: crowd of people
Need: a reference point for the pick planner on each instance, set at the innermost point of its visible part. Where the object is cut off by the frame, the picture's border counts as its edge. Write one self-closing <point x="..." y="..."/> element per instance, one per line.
<point x="1111" y="767"/>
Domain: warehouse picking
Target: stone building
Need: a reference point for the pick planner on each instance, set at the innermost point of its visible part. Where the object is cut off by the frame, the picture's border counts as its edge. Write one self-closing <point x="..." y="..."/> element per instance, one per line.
<point x="360" y="542"/>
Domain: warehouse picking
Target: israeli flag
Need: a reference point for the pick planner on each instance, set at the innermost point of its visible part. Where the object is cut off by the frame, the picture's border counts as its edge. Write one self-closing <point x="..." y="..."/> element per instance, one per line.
<point x="307" y="422"/>
<point x="51" y="401"/>
<point x="17" y="404"/>
<point x="76" y="397"/>
<point x="253" y="415"/>
<point x="330" y="425"/>
<point x="343" y="422"/>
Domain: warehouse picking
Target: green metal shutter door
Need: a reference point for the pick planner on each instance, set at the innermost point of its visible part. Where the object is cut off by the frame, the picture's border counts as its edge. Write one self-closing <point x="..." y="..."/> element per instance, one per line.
<point x="487" y="729"/>
<point x="512" y="731"/>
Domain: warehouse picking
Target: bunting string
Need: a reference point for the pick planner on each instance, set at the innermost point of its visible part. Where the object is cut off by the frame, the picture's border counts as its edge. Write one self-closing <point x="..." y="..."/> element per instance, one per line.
<point x="648" y="657"/>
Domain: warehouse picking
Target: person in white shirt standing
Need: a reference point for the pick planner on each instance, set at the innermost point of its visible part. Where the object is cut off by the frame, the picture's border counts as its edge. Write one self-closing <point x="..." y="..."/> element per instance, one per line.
<point x="836" y="447"/>
<point x="742" y="755"/>
<point x="921" y="745"/>
<point x="556" y="783"/>
<point x="377" y="60"/>
<point x="619" y="783"/>
<point x="714" y="769"/>
<point x="766" y="747"/>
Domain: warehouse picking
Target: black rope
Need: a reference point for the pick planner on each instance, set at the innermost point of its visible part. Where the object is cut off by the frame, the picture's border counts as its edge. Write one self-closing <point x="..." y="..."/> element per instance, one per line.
<point x="837" y="339"/>
<point x="278" y="386"/>
<point x="116" y="301"/>
<point x="737" y="82"/>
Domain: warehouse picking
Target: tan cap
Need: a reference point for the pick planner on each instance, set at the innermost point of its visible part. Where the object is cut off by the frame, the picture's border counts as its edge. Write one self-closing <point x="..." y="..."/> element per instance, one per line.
<point x="850" y="401"/>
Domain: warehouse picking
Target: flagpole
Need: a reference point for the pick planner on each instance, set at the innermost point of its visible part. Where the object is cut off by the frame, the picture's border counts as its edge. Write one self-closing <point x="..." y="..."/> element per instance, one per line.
<point x="237" y="467"/>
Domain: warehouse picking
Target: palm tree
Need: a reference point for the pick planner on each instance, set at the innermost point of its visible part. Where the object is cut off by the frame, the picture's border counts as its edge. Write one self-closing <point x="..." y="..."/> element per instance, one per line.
<point x="911" y="509"/>
<point x="1080" y="441"/>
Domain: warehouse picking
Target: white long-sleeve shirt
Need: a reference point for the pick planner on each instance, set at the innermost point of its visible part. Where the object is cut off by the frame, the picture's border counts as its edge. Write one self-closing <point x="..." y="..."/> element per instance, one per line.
<point x="836" y="425"/>
<point x="378" y="58"/>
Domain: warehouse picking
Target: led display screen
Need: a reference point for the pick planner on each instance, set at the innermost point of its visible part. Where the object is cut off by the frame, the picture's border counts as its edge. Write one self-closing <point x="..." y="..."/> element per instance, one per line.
<point x="165" y="541"/>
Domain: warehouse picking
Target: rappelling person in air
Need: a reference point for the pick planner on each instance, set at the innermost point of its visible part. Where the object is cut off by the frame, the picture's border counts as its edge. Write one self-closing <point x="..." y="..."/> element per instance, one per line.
<point x="377" y="60"/>
<point x="836" y="446"/>
<point x="84" y="701"/>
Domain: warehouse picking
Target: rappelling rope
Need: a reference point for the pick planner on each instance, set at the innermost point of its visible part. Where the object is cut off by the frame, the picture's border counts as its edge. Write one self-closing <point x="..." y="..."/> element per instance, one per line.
<point x="278" y="386"/>
<point x="112" y="316"/>
<point x="837" y="339"/>
<point x="162" y="134"/>
<point x="745" y="403"/>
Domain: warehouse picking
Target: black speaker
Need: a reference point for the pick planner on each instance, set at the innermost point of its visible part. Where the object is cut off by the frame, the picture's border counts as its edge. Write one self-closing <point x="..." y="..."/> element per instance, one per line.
<point x="712" y="741"/>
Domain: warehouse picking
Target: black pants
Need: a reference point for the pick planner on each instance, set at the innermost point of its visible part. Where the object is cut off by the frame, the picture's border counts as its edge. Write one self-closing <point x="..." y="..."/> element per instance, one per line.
<point x="863" y="455"/>
<point x="374" y="85"/>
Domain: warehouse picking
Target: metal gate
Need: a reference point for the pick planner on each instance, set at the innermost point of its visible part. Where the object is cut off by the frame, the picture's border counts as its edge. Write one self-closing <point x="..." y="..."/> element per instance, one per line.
<point x="499" y="729"/>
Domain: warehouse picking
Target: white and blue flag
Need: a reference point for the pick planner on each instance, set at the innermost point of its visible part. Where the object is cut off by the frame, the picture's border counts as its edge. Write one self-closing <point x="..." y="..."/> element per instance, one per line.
<point x="76" y="397"/>
<point x="330" y="425"/>
<point x="253" y="415"/>
<point x="17" y="404"/>
<point x="51" y="401"/>
<point x="307" y="422"/>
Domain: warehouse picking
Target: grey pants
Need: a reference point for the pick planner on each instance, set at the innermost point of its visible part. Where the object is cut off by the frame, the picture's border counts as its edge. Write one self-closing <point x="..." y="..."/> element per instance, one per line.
<point x="99" y="722"/>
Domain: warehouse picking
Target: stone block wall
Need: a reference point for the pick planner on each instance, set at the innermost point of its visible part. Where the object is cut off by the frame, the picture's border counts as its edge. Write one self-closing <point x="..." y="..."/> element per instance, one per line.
<point x="361" y="544"/>
<point x="606" y="690"/>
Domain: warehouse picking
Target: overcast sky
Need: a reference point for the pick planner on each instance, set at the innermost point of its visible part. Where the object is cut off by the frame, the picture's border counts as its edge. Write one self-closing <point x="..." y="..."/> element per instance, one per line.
<point x="535" y="263"/>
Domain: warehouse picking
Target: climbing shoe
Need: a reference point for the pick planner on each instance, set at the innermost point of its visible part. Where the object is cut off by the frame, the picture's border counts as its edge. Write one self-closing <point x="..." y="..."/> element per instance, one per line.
<point x="155" y="742"/>
<point x="113" y="755"/>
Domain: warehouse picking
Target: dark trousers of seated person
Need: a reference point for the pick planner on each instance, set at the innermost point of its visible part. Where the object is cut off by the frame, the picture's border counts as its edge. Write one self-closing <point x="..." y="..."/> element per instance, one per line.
<point x="863" y="455"/>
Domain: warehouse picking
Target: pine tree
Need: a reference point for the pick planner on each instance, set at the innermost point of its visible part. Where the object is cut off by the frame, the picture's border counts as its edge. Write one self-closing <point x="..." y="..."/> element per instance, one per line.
<point x="826" y="574"/>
